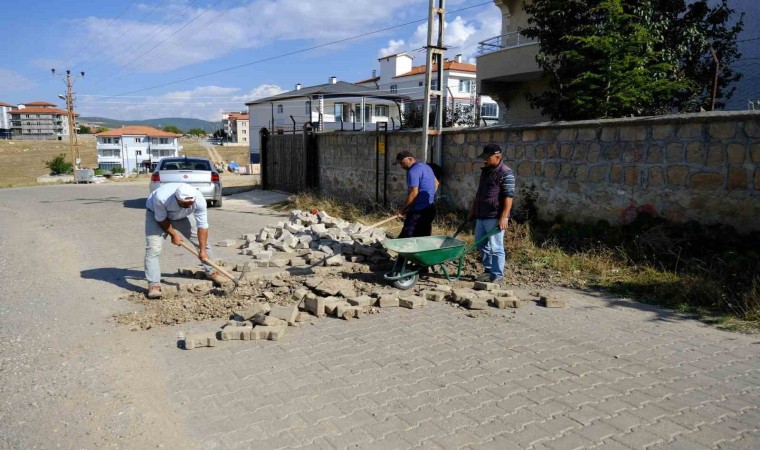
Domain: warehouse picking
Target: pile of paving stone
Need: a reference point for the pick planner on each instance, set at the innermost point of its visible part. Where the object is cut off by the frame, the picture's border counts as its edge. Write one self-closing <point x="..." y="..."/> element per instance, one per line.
<point x="312" y="239"/>
<point x="270" y="321"/>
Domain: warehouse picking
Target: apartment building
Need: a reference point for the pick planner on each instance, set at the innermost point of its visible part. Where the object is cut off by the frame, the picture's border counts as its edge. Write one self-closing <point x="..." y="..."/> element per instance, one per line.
<point x="5" y="119"/>
<point x="398" y="75"/>
<point x="39" y="121"/>
<point x="135" y="148"/>
<point x="507" y="68"/>
<point x="236" y="127"/>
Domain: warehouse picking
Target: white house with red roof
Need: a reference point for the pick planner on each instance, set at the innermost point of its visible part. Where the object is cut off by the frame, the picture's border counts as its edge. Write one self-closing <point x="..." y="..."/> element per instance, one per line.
<point x="39" y="121"/>
<point x="135" y="148"/>
<point x="399" y="76"/>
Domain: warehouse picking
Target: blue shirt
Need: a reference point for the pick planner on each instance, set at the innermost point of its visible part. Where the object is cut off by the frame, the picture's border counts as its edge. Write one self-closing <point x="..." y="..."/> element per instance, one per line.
<point x="421" y="176"/>
<point x="164" y="205"/>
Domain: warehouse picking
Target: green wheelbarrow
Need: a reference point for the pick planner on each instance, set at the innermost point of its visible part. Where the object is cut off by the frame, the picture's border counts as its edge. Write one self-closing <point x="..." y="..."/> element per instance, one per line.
<point x="416" y="254"/>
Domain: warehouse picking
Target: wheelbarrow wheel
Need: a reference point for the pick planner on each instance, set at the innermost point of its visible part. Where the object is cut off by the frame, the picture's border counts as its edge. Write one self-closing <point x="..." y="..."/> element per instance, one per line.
<point x="406" y="283"/>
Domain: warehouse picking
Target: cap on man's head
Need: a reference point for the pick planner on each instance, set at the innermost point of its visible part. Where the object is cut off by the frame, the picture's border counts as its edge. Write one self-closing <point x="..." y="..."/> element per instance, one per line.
<point x="402" y="155"/>
<point x="185" y="193"/>
<point x="490" y="150"/>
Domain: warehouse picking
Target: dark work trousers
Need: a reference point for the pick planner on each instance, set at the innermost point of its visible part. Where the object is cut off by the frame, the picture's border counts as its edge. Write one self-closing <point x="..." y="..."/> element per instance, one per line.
<point x="418" y="223"/>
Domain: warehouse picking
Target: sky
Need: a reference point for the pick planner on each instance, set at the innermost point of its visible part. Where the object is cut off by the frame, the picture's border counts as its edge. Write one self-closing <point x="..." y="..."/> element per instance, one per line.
<point x="197" y="58"/>
<point x="135" y="54"/>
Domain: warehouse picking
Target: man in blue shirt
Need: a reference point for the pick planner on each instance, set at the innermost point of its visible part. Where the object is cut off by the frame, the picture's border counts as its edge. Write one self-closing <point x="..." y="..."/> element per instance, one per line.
<point x="166" y="214"/>
<point x="419" y="206"/>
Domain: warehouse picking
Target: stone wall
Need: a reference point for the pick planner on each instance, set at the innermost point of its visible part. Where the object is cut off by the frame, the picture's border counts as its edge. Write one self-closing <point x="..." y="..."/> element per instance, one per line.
<point x="703" y="167"/>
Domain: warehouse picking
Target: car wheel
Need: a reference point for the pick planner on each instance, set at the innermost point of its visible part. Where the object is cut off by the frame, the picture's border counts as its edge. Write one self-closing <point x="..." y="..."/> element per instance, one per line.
<point x="218" y="203"/>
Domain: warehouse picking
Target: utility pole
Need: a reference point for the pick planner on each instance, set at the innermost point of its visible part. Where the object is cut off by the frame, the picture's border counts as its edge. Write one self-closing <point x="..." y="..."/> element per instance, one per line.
<point x="435" y="50"/>
<point x="73" y="140"/>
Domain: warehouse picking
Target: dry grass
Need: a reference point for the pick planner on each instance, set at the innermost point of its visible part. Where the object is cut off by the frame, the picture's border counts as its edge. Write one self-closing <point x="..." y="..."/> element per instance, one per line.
<point x="692" y="286"/>
<point x="21" y="162"/>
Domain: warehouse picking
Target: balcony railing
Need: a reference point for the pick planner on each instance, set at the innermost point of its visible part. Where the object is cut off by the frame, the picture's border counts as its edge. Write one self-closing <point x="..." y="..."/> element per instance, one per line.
<point x="509" y="40"/>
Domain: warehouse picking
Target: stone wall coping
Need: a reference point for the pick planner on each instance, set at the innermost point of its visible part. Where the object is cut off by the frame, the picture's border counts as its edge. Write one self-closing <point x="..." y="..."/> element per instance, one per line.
<point x="703" y="117"/>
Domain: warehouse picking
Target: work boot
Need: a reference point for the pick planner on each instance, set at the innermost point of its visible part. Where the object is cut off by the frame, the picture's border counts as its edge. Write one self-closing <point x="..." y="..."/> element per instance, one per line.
<point x="154" y="291"/>
<point x="216" y="277"/>
<point x="485" y="277"/>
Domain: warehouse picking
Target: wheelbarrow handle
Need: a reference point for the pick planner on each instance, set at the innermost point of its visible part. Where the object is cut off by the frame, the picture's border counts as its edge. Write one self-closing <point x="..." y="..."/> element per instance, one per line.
<point x="461" y="227"/>
<point x="490" y="233"/>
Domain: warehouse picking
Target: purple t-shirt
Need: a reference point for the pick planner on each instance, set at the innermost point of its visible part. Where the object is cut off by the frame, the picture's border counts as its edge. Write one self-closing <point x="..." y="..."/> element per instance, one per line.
<point x="421" y="176"/>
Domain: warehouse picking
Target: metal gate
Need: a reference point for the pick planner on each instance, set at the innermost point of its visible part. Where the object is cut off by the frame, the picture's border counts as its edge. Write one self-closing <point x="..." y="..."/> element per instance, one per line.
<point x="289" y="162"/>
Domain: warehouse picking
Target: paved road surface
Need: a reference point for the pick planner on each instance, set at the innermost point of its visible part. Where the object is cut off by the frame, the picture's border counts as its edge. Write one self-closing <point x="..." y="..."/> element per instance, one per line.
<point x="602" y="373"/>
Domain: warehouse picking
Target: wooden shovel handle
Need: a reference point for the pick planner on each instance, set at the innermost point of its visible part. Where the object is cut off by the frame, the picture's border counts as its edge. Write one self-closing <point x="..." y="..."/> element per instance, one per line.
<point x="194" y="251"/>
<point x="395" y="216"/>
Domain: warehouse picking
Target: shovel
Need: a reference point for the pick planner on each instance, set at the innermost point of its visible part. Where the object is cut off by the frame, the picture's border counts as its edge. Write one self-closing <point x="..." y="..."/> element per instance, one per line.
<point x="395" y="216"/>
<point x="194" y="251"/>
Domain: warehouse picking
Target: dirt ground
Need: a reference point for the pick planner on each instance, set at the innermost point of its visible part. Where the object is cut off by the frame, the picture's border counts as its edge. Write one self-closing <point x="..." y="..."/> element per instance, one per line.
<point x="353" y="279"/>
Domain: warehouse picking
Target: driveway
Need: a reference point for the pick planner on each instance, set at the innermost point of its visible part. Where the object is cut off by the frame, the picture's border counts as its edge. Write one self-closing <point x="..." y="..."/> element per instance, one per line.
<point x="603" y="372"/>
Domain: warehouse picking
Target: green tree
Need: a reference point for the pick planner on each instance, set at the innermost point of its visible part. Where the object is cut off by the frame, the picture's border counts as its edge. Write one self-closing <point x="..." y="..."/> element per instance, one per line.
<point x="83" y="129"/>
<point x="172" y="129"/>
<point x="59" y="166"/>
<point x="197" y="132"/>
<point x="615" y="58"/>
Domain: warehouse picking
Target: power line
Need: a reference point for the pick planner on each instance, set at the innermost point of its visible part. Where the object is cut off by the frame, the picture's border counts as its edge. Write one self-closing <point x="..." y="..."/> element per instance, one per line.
<point x="295" y="52"/>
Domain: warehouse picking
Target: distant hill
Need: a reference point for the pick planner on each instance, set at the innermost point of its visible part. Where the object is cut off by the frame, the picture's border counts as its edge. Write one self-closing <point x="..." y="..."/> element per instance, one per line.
<point x="182" y="123"/>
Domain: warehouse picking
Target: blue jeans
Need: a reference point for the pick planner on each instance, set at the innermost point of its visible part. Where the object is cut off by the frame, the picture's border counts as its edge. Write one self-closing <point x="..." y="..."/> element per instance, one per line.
<point x="492" y="249"/>
<point x="154" y="237"/>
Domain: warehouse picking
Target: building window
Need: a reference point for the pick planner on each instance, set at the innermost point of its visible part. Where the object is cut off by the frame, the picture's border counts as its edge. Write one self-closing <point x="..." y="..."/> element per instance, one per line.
<point x="163" y="141"/>
<point x="243" y="131"/>
<point x="245" y="139"/>
<point x="307" y="109"/>
<point x="368" y="113"/>
<point x="489" y="110"/>
<point x="466" y="86"/>
<point x="394" y="89"/>
<point x="138" y="152"/>
<point x="279" y="109"/>
<point x="342" y="112"/>
<point x="381" y="110"/>
<point x="115" y="140"/>
<point x="419" y="84"/>
<point x="138" y="140"/>
<point x="358" y="112"/>
<point x="434" y="84"/>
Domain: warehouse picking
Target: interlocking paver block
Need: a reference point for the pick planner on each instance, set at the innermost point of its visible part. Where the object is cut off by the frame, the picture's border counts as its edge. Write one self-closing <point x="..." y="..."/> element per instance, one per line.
<point x="248" y="313"/>
<point x="226" y="243"/>
<point x="475" y="303"/>
<point x="388" y="301"/>
<point x="315" y="305"/>
<point x="200" y="340"/>
<point x="268" y="321"/>
<point x="462" y="295"/>
<point x="299" y="294"/>
<point x="434" y="296"/>
<point x="347" y="311"/>
<point x="363" y="300"/>
<point x="331" y="303"/>
<point x="303" y="317"/>
<point x="508" y="302"/>
<point x="551" y="301"/>
<point x="443" y="288"/>
<point x="270" y="333"/>
<point x="504" y="293"/>
<point x="484" y="286"/>
<point x="286" y="313"/>
<point x="236" y="333"/>
<point x="412" y="302"/>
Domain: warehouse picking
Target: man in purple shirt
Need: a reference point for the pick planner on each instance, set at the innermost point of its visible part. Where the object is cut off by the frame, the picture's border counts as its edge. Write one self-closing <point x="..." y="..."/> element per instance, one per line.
<point x="419" y="207"/>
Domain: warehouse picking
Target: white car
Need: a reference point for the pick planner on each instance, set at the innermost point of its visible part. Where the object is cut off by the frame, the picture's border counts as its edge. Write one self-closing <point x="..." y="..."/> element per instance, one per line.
<point x="197" y="172"/>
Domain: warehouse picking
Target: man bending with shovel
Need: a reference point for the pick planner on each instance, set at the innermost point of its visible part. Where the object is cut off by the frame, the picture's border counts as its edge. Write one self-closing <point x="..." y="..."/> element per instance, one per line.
<point x="167" y="214"/>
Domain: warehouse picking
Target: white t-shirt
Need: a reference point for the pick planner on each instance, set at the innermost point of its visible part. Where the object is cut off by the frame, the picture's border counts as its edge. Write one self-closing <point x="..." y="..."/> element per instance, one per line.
<point x="164" y="204"/>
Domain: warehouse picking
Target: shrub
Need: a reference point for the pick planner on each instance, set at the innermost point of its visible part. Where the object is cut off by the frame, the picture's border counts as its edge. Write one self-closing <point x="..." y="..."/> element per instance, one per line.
<point x="59" y="166"/>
